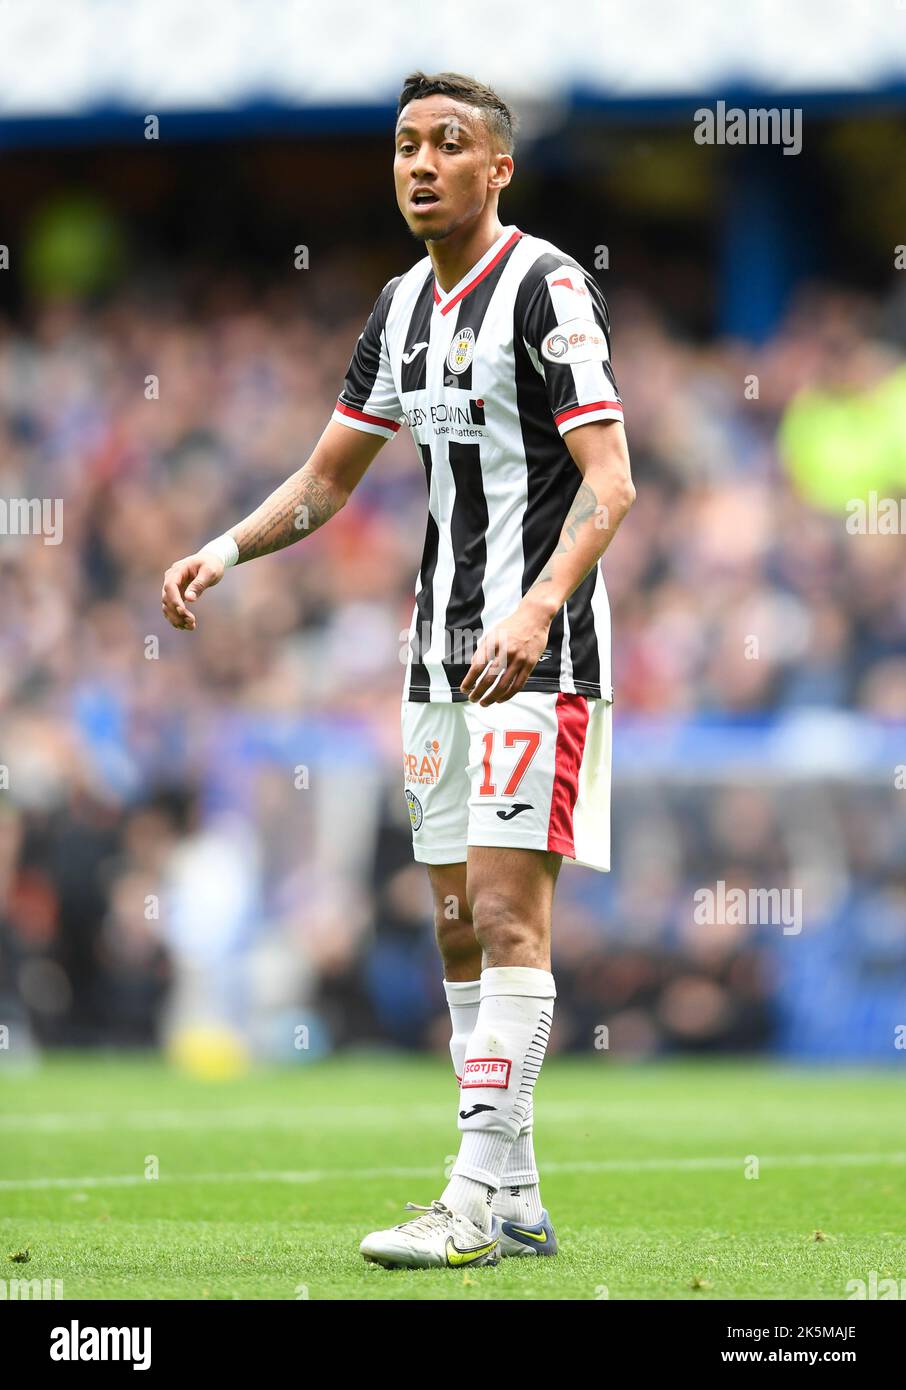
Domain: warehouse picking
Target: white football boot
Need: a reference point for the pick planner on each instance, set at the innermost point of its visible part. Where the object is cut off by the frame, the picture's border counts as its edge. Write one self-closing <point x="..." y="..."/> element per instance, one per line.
<point x="440" y="1238"/>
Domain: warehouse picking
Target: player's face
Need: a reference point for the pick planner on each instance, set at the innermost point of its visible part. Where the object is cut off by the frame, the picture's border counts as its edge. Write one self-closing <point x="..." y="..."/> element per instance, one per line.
<point x="444" y="168"/>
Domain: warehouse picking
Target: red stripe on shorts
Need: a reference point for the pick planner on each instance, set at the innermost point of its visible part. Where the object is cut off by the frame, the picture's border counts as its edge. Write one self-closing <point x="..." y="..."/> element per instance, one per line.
<point x="572" y="723"/>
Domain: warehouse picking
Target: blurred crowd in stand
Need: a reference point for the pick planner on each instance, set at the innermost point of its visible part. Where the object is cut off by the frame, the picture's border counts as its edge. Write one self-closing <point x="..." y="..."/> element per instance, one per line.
<point x="211" y="827"/>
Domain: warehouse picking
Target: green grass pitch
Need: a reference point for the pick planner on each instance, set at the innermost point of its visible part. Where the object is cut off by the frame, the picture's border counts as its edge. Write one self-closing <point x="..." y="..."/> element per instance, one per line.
<point x="268" y="1182"/>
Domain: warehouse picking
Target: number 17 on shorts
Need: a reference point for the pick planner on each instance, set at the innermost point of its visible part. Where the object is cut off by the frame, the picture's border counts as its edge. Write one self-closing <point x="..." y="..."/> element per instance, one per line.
<point x="531" y="773"/>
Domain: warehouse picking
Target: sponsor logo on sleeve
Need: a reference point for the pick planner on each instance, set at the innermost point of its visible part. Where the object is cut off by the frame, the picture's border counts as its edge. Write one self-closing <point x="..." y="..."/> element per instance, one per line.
<point x="577" y="340"/>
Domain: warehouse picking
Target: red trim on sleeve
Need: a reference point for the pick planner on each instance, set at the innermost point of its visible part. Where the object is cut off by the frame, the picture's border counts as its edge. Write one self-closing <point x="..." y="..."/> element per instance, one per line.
<point x="572" y="724"/>
<point x="586" y="410"/>
<point x="368" y="419"/>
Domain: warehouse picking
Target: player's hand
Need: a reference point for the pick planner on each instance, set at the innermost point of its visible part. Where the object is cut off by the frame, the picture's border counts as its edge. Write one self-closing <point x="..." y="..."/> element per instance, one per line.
<point x="511" y="651"/>
<point x="184" y="582"/>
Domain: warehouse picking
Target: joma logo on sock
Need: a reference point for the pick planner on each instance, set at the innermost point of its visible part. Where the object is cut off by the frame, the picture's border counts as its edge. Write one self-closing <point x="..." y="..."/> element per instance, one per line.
<point x="75" y="1343"/>
<point x="486" y="1071"/>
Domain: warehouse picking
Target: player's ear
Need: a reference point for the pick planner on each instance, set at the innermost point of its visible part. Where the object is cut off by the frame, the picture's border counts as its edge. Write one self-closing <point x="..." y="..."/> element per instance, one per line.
<point x="501" y="170"/>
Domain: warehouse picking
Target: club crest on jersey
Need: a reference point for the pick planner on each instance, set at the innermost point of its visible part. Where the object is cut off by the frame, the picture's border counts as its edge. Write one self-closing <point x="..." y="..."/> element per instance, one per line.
<point x="416" y="814"/>
<point x="462" y="350"/>
<point x="578" y="340"/>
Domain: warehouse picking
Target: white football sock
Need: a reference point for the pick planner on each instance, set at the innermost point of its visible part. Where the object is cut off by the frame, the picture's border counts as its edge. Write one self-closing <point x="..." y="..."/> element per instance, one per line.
<point x="502" y="1061"/>
<point x="519" y="1198"/>
<point x="462" y="998"/>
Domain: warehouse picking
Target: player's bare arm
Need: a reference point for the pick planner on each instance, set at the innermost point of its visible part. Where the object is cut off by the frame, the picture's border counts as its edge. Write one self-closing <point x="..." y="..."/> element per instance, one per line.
<point x="605" y="495"/>
<point x="297" y="508"/>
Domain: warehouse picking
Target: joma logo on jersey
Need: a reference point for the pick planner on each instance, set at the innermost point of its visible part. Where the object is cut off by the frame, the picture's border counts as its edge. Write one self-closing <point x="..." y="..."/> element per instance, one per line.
<point x="423" y="768"/>
<point x="486" y="1071"/>
<point x="470" y="412"/>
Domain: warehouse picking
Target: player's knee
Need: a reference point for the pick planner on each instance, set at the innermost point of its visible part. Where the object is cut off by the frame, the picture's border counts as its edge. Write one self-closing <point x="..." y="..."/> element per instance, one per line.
<point x="501" y="926"/>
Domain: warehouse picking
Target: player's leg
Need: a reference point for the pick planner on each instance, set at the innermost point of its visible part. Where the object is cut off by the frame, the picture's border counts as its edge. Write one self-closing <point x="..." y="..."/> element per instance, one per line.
<point x="526" y="762"/>
<point x="435" y="762"/>
<point x="510" y="893"/>
<point x="459" y="952"/>
<point x="436" y="755"/>
<point x="441" y="1236"/>
<point x="529" y="775"/>
<point x="453" y="929"/>
<point x="519" y="1198"/>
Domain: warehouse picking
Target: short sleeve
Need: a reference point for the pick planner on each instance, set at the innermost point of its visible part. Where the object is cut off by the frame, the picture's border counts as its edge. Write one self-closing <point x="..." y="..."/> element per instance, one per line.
<point x="368" y="400"/>
<point x="566" y="329"/>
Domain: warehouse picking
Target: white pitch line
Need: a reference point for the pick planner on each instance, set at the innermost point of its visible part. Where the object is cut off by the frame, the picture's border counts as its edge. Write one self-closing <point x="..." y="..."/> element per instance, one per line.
<point x="246" y="1117"/>
<point x="300" y="1117"/>
<point x="313" y="1175"/>
<point x="326" y="1116"/>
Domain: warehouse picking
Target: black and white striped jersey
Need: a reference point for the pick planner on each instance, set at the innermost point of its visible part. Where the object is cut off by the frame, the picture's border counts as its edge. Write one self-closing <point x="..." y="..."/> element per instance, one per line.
<point x="489" y="377"/>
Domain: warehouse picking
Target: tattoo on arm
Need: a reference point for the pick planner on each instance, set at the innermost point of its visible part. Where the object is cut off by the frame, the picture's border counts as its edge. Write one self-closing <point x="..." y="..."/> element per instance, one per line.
<point x="584" y="507"/>
<point x="295" y="509"/>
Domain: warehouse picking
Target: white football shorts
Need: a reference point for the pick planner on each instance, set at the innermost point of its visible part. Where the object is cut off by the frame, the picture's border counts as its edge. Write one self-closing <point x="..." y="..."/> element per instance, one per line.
<point x="530" y="773"/>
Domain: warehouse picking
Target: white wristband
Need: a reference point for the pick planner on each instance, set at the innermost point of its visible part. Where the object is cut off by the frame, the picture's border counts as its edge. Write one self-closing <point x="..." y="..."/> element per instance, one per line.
<point x="225" y="548"/>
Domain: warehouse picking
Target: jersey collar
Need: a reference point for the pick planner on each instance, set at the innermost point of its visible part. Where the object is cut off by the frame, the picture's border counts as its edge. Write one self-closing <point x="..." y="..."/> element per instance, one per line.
<point x="491" y="258"/>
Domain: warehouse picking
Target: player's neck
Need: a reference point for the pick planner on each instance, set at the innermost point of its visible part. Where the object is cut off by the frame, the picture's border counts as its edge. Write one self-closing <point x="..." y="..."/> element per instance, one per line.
<point x="455" y="256"/>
